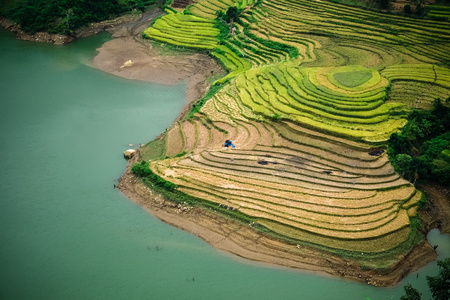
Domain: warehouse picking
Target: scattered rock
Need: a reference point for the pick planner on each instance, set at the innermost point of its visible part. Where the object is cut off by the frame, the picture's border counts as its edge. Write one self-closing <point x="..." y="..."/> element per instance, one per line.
<point x="129" y="153"/>
<point x="128" y="63"/>
<point x="44" y="37"/>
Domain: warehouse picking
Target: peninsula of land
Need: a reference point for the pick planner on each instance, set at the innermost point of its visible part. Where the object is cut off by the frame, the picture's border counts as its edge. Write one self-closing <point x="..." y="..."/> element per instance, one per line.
<point x="132" y="57"/>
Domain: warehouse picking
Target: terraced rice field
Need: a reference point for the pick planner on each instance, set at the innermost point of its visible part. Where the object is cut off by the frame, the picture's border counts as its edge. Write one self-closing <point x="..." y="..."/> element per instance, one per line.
<point x="314" y="91"/>
<point x="439" y="12"/>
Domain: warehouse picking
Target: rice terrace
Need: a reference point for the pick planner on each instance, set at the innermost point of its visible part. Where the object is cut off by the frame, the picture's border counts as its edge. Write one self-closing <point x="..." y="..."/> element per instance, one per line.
<point x="313" y="92"/>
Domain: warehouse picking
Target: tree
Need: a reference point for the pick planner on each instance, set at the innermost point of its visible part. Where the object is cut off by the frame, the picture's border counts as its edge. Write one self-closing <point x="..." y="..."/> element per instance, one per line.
<point x="407" y="8"/>
<point x="405" y="163"/>
<point x="384" y="4"/>
<point x="440" y="284"/>
<point x="411" y="293"/>
<point x="419" y="9"/>
<point x="232" y="13"/>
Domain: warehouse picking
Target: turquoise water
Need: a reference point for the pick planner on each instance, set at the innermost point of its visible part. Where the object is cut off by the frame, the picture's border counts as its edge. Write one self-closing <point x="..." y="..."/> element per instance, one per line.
<point x="66" y="233"/>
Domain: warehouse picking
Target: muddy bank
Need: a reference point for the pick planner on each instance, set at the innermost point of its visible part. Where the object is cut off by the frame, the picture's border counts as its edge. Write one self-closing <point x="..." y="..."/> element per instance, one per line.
<point x="241" y="240"/>
<point x="133" y="57"/>
<point x="130" y="56"/>
<point x="437" y="212"/>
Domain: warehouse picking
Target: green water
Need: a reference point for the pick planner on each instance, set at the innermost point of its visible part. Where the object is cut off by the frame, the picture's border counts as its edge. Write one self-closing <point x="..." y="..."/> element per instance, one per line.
<point x="66" y="233"/>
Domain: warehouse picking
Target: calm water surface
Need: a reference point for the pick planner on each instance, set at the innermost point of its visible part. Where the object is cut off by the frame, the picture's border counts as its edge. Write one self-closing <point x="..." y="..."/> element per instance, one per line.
<point x="66" y="233"/>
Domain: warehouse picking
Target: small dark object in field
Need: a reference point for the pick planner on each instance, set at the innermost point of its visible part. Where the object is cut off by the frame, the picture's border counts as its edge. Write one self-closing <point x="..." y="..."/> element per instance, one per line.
<point x="327" y="172"/>
<point x="263" y="162"/>
<point x="376" y="152"/>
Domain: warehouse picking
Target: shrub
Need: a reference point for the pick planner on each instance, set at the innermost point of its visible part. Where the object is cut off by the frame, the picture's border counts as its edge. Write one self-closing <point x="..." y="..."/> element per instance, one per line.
<point x="407" y="8"/>
<point x="419" y="10"/>
<point x="275" y="117"/>
<point x="231" y="15"/>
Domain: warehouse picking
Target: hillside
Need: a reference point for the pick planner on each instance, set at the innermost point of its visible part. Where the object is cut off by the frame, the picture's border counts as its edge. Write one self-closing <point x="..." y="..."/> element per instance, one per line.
<point x="313" y="93"/>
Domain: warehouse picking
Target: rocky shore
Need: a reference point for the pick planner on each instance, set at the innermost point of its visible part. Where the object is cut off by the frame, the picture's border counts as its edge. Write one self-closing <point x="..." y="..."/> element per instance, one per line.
<point x="126" y="25"/>
<point x="44" y="37"/>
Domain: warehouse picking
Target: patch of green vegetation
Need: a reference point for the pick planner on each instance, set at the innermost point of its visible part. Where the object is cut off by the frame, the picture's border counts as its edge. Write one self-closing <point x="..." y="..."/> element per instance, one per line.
<point x="352" y="79"/>
<point x="155" y="149"/>
<point x="445" y="154"/>
<point x="182" y="153"/>
<point x="142" y="170"/>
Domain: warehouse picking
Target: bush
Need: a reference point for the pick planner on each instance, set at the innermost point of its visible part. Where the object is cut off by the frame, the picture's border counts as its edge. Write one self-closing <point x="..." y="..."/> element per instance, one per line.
<point x="419" y="10"/>
<point x="407" y="9"/>
<point x="384" y="4"/>
<point x="231" y="15"/>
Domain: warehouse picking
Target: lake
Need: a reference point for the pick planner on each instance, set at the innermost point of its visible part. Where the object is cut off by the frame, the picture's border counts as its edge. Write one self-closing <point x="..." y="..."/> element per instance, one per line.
<point x="66" y="233"/>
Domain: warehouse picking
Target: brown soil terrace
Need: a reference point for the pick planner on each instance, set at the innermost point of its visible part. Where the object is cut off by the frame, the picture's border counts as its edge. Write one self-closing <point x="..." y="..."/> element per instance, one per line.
<point x="129" y="56"/>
